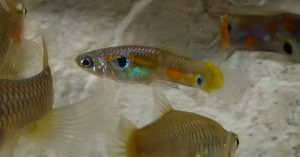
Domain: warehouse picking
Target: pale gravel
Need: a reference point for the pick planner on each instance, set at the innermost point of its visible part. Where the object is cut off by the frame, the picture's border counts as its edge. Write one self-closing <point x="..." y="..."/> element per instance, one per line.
<point x="266" y="117"/>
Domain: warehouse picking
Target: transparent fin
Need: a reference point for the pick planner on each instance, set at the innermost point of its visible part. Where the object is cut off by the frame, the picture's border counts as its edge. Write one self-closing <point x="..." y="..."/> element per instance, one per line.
<point x="7" y="151"/>
<point x="162" y="104"/>
<point x="8" y="141"/>
<point x="11" y="63"/>
<point x="161" y="83"/>
<point x="4" y="5"/>
<point x="69" y="128"/>
<point x="45" y="53"/>
<point x="235" y="85"/>
<point x="122" y="144"/>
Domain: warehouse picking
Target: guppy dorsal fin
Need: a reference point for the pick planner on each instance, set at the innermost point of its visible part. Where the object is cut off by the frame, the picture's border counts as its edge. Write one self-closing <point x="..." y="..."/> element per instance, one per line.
<point x="45" y="53"/>
<point x="161" y="103"/>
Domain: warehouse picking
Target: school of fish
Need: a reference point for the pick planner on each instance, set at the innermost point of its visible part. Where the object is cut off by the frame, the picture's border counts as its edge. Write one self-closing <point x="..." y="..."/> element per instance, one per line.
<point x="26" y="104"/>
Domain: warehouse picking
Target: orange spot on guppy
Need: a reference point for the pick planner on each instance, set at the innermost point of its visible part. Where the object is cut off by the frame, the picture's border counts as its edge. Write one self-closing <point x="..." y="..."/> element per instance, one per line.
<point x="224" y="31"/>
<point x="108" y="58"/>
<point x="271" y="28"/>
<point x="175" y="74"/>
<point x="289" y="25"/>
<point x="250" y="40"/>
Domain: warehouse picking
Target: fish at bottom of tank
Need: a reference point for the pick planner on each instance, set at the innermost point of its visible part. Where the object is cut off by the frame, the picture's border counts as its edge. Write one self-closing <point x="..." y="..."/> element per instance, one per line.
<point x="174" y="134"/>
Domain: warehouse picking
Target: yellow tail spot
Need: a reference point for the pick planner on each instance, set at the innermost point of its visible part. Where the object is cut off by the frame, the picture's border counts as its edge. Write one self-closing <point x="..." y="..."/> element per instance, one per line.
<point x="213" y="78"/>
<point x="250" y="40"/>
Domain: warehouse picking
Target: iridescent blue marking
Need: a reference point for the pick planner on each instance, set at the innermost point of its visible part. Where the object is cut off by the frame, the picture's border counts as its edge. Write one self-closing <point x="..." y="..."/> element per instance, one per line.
<point x="101" y="66"/>
<point x="139" y="72"/>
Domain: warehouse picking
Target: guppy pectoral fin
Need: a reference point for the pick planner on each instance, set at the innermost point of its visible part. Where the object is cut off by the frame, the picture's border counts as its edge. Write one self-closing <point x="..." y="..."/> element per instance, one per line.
<point x="72" y="127"/>
<point x="122" y="143"/>
<point x="161" y="83"/>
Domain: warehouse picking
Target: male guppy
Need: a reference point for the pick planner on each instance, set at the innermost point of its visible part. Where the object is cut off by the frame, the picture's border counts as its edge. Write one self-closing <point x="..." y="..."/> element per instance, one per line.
<point x="279" y="33"/>
<point x="26" y="108"/>
<point x="174" y="134"/>
<point x="148" y="64"/>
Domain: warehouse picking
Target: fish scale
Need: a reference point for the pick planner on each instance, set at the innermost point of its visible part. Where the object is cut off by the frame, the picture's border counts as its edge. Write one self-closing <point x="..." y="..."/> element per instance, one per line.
<point x="19" y="106"/>
<point x="188" y="130"/>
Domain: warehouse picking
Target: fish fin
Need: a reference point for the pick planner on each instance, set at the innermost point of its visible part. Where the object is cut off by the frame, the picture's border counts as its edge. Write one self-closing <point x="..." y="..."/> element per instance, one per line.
<point x="72" y="127"/>
<point x="4" y="5"/>
<point x="9" y="67"/>
<point x="235" y="84"/>
<point x="45" y="53"/>
<point x="122" y="145"/>
<point x="7" y="151"/>
<point x="21" y="61"/>
<point x="162" y="104"/>
<point x="8" y="141"/>
<point x="213" y="76"/>
<point x="161" y="83"/>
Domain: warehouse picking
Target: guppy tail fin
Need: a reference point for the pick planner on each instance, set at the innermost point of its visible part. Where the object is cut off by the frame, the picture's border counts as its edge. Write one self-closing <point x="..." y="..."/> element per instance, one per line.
<point x="123" y="143"/>
<point x="70" y="129"/>
<point x="235" y="84"/>
<point x="213" y="77"/>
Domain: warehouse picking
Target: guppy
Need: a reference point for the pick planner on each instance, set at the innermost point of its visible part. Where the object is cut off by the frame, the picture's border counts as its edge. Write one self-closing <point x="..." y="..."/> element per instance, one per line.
<point x="26" y="109"/>
<point x="12" y="14"/>
<point x="279" y="33"/>
<point x="148" y="64"/>
<point x="174" y="134"/>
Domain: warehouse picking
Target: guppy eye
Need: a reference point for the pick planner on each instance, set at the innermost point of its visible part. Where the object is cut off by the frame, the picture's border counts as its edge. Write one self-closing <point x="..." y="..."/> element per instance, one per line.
<point x="87" y="62"/>
<point x="24" y="11"/>
<point x="123" y="62"/>
<point x="237" y="142"/>
<point x="20" y="7"/>
<point x="229" y="27"/>
<point x="287" y="47"/>
<point x="199" y="80"/>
